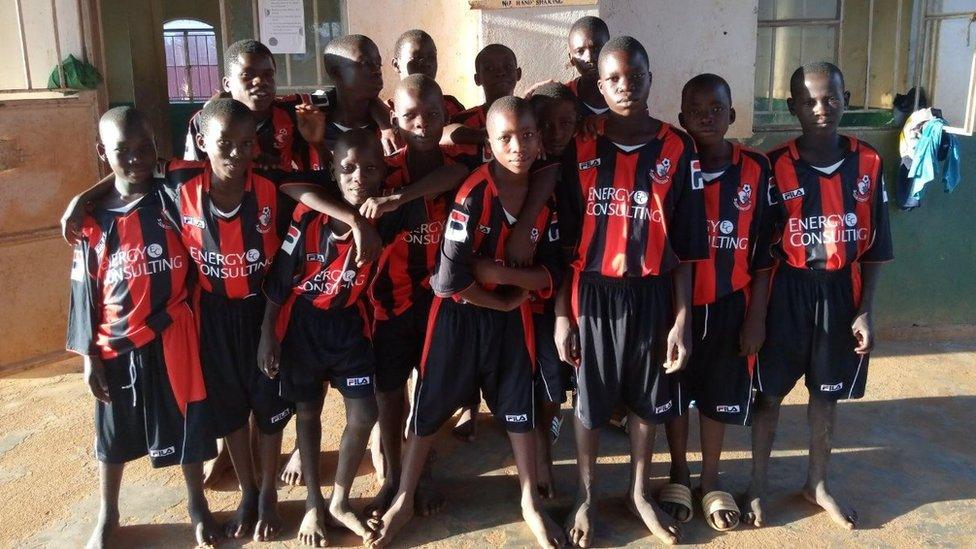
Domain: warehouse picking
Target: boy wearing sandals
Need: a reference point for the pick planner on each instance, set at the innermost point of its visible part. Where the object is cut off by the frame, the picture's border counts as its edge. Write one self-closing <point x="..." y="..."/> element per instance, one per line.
<point x="719" y="373"/>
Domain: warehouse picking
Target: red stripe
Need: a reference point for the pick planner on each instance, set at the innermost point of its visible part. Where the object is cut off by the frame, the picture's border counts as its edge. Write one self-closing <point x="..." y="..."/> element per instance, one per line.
<point x="431" y="322"/>
<point x="867" y="167"/>
<point x="139" y="287"/>
<point x="528" y="332"/>
<point x="786" y="180"/>
<point x="182" y="356"/>
<point x="585" y="150"/>
<point x="574" y="295"/>
<point x="832" y="207"/>
<point x="749" y="173"/>
<point x="267" y="196"/>
<point x="231" y="244"/>
<point x="705" y="270"/>
<point x="191" y="205"/>
<point x="614" y="261"/>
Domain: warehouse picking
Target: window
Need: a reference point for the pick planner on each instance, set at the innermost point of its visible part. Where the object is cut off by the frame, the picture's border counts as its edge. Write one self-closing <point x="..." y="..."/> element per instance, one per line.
<point x="947" y="61"/>
<point x="868" y="39"/>
<point x="192" y="69"/>
<point x="36" y="37"/>
<point x="296" y="72"/>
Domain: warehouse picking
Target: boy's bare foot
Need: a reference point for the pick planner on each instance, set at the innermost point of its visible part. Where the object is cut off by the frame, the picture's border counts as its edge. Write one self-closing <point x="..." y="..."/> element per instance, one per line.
<point x="312" y="531"/>
<point x="381" y="502"/>
<point x="291" y="474"/>
<point x="216" y="467"/>
<point x="658" y="522"/>
<point x="347" y="518"/>
<point x="679" y="512"/>
<point x="269" y="522"/>
<point x="427" y="500"/>
<point x="466" y="428"/>
<point x="104" y="528"/>
<point x="395" y="518"/>
<point x="840" y="513"/>
<point x="543" y="477"/>
<point x="753" y="511"/>
<point x="547" y="533"/>
<point x="242" y="523"/>
<point x="205" y="528"/>
<point x="580" y="523"/>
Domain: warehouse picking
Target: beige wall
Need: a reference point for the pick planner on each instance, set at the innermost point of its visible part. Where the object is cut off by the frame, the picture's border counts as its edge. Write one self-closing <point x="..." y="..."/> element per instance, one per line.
<point x="454" y="27"/>
<point x="36" y="181"/>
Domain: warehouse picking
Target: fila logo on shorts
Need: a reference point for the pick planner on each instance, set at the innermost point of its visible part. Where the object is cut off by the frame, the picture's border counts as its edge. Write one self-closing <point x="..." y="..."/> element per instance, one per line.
<point x="662" y="408"/>
<point x="357" y="381"/>
<point x="280" y="416"/>
<point x="517" y="418"/>
<point x="727" y="408"/>
<point x="832" y="388"/>
<point x="168" y="451"/>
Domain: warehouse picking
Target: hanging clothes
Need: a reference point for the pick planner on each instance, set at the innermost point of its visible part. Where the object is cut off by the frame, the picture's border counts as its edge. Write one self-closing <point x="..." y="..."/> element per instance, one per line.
<point x="923" y="145"/>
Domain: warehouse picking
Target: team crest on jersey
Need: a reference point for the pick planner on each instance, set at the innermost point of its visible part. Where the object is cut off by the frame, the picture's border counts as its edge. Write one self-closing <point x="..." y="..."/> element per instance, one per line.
<point x="589" y="164"/>
<point x="194" y="221"/>
<point x="281" y="138"/>
<point x="163" y="223"/>
<point x="457" y="226"/>
<point x="264" y="220"/>
<point x="291" y="239"/>
<point x="862" y="190"/>
<point x="743" y="198"/>
<point x="553" y="232"/>
<point x="484" y="229"/>
<point x="660" y="173"/>
<point x="534" y="235"/>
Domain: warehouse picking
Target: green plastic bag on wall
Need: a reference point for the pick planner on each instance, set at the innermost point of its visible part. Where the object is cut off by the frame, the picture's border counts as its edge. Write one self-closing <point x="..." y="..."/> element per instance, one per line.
<point x="78" y="75"/>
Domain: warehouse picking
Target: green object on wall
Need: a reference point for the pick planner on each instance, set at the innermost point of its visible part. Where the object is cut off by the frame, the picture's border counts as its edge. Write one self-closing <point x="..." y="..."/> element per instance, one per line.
<point x="78" y="75"/>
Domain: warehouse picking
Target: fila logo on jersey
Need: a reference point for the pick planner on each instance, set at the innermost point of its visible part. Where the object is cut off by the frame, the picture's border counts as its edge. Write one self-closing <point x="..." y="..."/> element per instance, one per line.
<point x="194" y="221"/>
<point x="727" y="408"/>
<point x="517" y="418"/>
<point x="589" y="164"/>
<point x="662" y="408"/>
<point x="291" y="239"/>
<point x="457" y="224"/>
<point x="795" y="193"/>
<point x="357" y="381"/>
<point x="832" y="388"/>
<point x="168" y="451"/>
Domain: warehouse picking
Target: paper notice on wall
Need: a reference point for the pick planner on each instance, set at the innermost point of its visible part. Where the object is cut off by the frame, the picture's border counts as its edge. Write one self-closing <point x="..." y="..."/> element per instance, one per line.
<point x="505" y="4"/>
<point x="282" y="24"/>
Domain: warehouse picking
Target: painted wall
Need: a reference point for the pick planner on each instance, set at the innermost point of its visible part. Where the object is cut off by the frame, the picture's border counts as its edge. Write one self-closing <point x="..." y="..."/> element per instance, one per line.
<point x="36" y="181"/>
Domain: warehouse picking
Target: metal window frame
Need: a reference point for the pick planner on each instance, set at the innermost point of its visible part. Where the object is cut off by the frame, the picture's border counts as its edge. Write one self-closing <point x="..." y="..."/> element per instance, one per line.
<point x="25" y="56"/>
<point x="185" y="33"/>
<point x="927" y="38"/>
<point x="289" y="85"/>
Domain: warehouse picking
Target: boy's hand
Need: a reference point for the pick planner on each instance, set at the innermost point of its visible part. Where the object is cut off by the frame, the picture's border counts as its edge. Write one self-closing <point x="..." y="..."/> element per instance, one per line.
<point x="367" y="240"/>
<point x="529" y="92"/>
<point x="71" y="221"/>
<point x="567" y="340"/>
<point x="679" y="347"/>
<point x="268" y="352"/>
<point x="511" y="298"/>
<point x="863" y="328"/>
<point x="519" y="249"/>
<point x="391" y="141"/>
<point x="752" y="336"/>
<point x="95" y="378"/>
<point x="311" y="123"/>
<point x="485" y="270"/>
<point x="376" y="206"/>
<point x="592" y="126"/>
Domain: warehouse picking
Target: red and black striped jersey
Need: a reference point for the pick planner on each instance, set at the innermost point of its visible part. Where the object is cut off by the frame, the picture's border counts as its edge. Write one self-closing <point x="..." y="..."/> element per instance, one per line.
<point x="478" y="225"/>
<point x="584" y="108"/>
<point x="316" y="264"/>
<point x="278" y="135"/>
<point x="640" y="209"/>
<point x="826" y="221"/>
<point x="129" y="278"/>
<point x="734" y="203"/>
<point x="475" y="117"/>
<point x="232" y="253"/>
<point x="404" y="267"/>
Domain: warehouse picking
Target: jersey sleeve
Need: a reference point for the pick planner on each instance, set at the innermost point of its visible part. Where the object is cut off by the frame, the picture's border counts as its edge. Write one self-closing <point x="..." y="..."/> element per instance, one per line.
<point x="880" y="250"/>
<point x="82" y="310"/>
<point x="283" y="276"/>
<point x="689" y="240"/>
<point x="549" y="253"/>
<point x="453" y="272"/>
<point x="759" y="257"/>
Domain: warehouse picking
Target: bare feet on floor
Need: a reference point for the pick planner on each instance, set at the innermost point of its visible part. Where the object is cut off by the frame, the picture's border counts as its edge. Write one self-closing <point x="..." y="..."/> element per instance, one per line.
<point x="546" y="531"/>
<point x="347" y="518"/>
<point x="381" y="502"/>
<point x="679" y="512"/>
<point x="312" y="530"/>
<point x="580" y="523"/>
<point x="657" y="521"/>
<point x="841" y="513"/>
<point x="205" y="528"/>
<point x="269" y="521"/>
<point x="395" y="518"/>
<point x="427" y="500"/>
<point x="106" y="525"/>
<point x="291" y="474"/>
<point x="242" y="523"/>
<point x="753" y="509"/>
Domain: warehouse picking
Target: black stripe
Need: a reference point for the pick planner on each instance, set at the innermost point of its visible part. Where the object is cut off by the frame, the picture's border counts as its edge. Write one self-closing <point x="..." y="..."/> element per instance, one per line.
<point x="606" y="151"/>
<point x="247" y="219"/>
<point x="160" y="283"/>
<point x="725" y="258"/>
<point x="639" y="230"/>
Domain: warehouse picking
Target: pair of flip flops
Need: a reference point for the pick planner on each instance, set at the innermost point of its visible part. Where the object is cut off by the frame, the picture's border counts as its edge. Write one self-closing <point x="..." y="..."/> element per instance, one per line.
<point x="712" y="502"/>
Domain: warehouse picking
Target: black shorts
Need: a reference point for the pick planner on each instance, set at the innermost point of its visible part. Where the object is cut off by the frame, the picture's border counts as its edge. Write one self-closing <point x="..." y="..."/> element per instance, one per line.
<point x="230" y="330"/>
<point x="158" y="403"/>
<point x="717" y="378"/>
<point x="325" y="346"/>
<point x="398" y="343"/>
<point x="468" y="348"/>
<point x="808" y="333"/>
<point x="553" y="377"/>
<point x="623" y="328"/>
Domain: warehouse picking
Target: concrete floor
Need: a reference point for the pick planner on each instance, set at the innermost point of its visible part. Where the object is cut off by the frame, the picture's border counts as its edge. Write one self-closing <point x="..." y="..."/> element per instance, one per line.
<point x="905" y="458"/>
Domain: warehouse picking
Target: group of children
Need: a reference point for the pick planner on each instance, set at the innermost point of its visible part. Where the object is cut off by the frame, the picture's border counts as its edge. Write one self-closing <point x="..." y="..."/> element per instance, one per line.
<point x="509" y="252"/>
